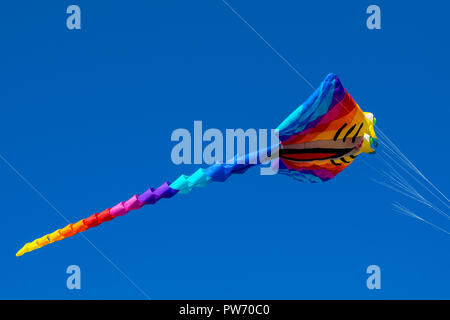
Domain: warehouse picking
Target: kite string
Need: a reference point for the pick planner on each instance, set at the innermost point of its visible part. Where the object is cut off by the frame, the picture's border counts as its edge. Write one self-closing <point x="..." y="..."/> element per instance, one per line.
<point x="407" y="193"/>
<point x="396" y="151"/>
<point x="399" y="182"/>
<point x="401" y="209"/>
<point x="415" y="178"/>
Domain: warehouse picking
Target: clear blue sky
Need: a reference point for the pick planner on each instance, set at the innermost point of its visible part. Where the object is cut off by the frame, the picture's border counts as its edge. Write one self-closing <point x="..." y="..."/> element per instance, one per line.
<point x="86" y="117"/>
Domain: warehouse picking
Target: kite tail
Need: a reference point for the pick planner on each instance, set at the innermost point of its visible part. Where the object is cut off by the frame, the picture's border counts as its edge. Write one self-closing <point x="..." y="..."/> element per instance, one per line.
<point x="150" y="196"/>
<point x="184" y="184"/>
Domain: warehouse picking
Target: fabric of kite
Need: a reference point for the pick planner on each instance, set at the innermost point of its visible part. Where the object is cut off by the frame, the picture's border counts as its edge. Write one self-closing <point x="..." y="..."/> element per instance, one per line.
<point x="325" y="134"/>
<point x="317" y="141"/>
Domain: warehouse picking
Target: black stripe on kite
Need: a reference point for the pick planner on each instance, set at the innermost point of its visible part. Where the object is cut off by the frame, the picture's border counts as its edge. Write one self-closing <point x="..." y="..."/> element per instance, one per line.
<point x="343" y="160"/>
<point x="338" y="152"/>
<point x="339" y="132"/>
<point x="336" y="164"/>
<point x="352" y="156"/>
<point x="356" y="134"/>
<point x="349" y="131"/>
<point x="286" y="153"/>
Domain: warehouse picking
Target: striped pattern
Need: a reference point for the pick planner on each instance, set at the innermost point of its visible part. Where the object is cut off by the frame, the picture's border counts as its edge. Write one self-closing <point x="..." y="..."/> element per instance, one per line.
<point x="184" y="184"/>
<point x="151" y="196"/>
<point x="329" y="121"/>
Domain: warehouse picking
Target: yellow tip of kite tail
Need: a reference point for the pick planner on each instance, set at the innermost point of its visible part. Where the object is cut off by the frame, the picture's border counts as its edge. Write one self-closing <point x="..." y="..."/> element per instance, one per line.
<point x="22" y="251"/>
<point x="30" y="246"/>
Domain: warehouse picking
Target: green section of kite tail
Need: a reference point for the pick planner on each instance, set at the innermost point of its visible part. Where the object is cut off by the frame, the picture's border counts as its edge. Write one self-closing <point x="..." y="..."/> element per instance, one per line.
<point x="185" y="184"/>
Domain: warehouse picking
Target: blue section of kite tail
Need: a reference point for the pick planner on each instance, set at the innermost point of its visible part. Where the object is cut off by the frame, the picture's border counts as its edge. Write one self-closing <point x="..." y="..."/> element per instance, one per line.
<point x="219" y="171"/>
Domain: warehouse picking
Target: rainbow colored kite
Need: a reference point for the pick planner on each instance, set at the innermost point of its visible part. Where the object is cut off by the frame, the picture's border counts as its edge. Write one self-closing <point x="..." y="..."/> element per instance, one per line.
<point x="317" y="141"/>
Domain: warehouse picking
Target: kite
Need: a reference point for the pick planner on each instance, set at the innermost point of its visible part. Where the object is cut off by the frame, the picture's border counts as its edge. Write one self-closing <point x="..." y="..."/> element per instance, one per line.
<point x="316" y="142"/>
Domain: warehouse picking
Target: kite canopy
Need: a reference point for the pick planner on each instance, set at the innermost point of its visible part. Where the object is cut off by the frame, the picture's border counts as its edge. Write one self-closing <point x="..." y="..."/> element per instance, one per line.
<point x="317" y="141"/>
<point x="325" y="134"/>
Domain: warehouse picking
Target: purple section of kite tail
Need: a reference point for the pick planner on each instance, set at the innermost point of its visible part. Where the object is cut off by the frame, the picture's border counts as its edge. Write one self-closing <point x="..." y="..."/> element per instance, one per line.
<point x="152" y="196"/>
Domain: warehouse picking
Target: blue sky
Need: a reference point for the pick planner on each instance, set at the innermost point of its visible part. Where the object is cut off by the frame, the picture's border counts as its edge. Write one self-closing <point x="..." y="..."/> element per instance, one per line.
<point x="86" y="117"/>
